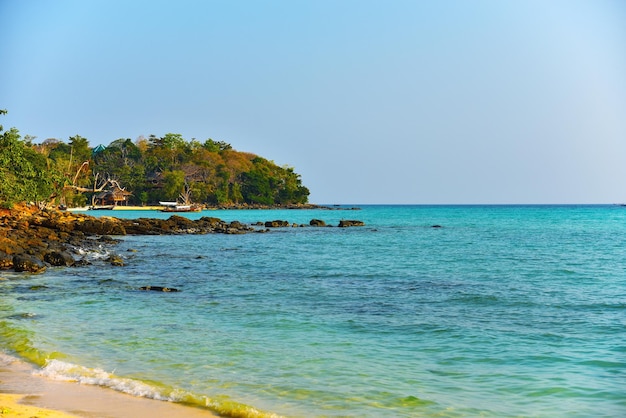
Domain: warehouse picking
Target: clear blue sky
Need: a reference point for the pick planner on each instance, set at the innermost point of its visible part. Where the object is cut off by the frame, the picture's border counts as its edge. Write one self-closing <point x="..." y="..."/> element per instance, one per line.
<point x="371" y="101"/>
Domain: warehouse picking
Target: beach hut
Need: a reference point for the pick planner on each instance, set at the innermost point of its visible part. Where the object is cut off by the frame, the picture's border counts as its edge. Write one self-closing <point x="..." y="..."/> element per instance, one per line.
<point x="114" y="196"/>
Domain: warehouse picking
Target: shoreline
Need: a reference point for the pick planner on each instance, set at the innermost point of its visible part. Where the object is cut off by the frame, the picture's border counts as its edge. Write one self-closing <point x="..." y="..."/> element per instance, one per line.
<point x="23" y="394"/>
<point x="159" y="208"/>
<point x="61" y="239"/>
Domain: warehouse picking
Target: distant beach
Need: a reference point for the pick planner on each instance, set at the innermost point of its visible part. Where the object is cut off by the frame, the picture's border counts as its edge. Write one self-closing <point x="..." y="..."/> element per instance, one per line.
<point x="138" y="208"/>
<point x="86" y="208"/>
<point x="226" y="207"/>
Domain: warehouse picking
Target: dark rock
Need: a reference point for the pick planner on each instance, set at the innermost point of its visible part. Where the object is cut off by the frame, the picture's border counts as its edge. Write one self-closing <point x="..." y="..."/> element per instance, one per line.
<point x="59" y="258"/>
<point x="234" y="231"/>
<point x="101" y="226"/>
<point x="276" y="224"/>
<point x="211" y="221"/>
<point x="115" y="260"/>
<point x="180" y="225"/>
<point x="159" y="289"/>
<point x="82" y="262"/>
<point x="108" y="240"/>
<point x="436" y="226"/>
<point x="12" y="243"/>
<point x="143" y="226"/>
<point x="28" y="263"/>
<point x="317" y="222"/>
<point x="346" y="223"/>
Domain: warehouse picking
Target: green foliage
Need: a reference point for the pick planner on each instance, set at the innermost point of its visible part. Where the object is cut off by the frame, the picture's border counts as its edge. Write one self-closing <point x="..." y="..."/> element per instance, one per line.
<point x="257" y="187"/>
<point x="214" y="172"/>
<point x="77" y="199"/>
<point x="79" y="148"/>
<point x="173" y="184"/>
<point x="267" y="183"/>
<point x="153" y="169"/>
<point x="216" y="146"/>
<point x="24" y="174"/>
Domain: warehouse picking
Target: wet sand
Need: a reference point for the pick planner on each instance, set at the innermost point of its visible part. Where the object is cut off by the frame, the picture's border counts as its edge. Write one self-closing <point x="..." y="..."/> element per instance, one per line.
<point x="23" y="394"/>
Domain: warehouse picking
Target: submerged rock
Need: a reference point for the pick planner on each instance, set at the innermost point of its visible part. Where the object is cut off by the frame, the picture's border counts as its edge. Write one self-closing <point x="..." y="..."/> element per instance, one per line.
<point x="347" y="223"/>
<point x="159" y="289"/>
<point x="276" y="224"/>
<point x="115" y="260"/>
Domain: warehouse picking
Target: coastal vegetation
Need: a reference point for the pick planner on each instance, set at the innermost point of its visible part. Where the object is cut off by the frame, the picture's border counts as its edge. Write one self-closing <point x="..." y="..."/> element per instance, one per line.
<point x="148" y="170"/>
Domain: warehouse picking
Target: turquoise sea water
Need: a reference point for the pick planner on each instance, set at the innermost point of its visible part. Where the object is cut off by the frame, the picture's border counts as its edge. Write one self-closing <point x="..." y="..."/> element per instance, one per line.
<point x="503" y="311"/>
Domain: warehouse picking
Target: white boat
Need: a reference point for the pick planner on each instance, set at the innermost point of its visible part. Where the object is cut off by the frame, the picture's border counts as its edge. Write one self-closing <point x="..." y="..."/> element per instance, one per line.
<point x="175" y="207"/>
<point x="102" y="207"/>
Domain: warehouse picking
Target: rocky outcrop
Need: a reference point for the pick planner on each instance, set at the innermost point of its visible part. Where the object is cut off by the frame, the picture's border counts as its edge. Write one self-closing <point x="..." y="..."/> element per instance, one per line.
<point x="32" y="239"/>
<point x="347" y="223"/>
<point x="100" y="226"/>
<point x="176" y="224"/>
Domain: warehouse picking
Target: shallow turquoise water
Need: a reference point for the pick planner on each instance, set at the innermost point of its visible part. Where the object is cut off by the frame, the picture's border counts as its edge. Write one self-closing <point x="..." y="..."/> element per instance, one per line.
<point x="504" y="311"/>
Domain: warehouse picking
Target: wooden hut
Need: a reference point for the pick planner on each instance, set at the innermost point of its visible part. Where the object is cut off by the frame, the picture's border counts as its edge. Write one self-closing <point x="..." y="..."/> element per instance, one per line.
<point x="115" y="196"/>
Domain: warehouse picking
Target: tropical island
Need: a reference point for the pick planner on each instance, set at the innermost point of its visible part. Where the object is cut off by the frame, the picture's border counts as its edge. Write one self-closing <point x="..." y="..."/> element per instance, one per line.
<point x="36" y="180"/>
<point x="142" y="172"/>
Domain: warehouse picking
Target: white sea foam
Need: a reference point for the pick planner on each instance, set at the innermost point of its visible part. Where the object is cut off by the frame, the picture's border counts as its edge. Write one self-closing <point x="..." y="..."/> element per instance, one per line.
<point x="92" y="254"/>
<point x="68" y="372"/>
<point x="63" y="371"/>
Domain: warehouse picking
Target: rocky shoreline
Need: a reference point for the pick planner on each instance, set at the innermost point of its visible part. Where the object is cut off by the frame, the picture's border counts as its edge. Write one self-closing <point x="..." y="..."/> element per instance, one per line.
<point x="32" y="239"/>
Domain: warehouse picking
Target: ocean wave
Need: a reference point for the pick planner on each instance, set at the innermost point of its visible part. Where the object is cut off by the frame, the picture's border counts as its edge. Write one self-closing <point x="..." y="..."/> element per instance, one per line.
<point x="18" y="341"/>
<point x="69" y="372"/>
<point x="92" y="253"/>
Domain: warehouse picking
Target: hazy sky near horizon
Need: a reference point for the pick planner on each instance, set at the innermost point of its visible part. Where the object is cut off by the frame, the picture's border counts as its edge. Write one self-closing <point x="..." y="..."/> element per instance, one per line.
<point x="438" y="102"/>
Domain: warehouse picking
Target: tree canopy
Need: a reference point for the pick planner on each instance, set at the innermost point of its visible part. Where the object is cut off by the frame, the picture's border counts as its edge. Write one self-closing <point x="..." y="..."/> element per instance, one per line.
<point x="152" y="169"/>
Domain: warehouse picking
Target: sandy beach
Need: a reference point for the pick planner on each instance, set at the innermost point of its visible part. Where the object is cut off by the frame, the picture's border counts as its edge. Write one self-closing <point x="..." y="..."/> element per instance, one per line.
<point x="23" y="394"/>
<point x="153" y="207"/>
<point x="146" y="208"/>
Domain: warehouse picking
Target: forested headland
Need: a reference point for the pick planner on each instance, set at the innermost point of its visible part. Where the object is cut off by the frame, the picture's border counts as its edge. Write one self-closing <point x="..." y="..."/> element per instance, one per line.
<point x="148" y="170"/>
